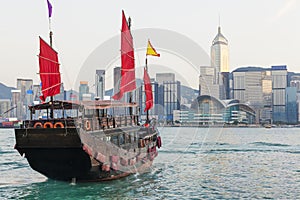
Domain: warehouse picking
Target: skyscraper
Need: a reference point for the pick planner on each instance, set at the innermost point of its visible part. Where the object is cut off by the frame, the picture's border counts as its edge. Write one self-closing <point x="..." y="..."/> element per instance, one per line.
<point x="279" y="84"/>
<point x="220" y="63"/>
<point x="83" y="89"/>
<point x="26" y="95"/>
<point x="117" y="79"/>
<point x="207" y="84"/>
<point x="169" y="95"/>
<point x="253" y="86"/>
<point x="16" y="103"/>
<point x="4" y="107"/>
<point x="220" y="53"/>
<point x="100" y="83"/>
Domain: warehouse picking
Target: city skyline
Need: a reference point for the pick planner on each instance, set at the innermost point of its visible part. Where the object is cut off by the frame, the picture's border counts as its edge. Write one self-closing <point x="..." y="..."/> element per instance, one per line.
<point x="267" y="38"/>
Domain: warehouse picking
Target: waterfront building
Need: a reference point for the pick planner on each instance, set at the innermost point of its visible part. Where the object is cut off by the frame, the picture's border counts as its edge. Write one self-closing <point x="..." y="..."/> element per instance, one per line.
<point x="291" y="105"/>
<point x="266" y="111"/>
<point x="100" y="84"/>
<point x="36" y="93"/>
<point x="61" y="95"/>
<point x="117" y="79"/>
<point x="295" y="82"/>
<point x="253" y="86"/>
<point x="214" y="79"/>
<point x="83" y="89"/>
<point x="208" y="110"/>
<point x="26" y="96"/>
<point x="169" y="96"/>
<point x="220" y="53"/>
<point x="5" y="105"/>
<point x="279" y="85"/>
<point x="16" y="104"/>
<point x="207" y="82"/>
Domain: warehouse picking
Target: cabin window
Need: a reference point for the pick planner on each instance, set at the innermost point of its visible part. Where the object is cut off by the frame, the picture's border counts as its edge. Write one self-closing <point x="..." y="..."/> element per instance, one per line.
<point x="121" y="139"/>
<point x="88" y="113"/>
<point x="126" y="136"/>
<point x="114" y="139"/>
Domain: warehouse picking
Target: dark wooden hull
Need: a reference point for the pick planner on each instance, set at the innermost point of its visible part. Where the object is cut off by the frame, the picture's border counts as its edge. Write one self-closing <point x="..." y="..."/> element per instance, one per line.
<point x="68" y="153"/>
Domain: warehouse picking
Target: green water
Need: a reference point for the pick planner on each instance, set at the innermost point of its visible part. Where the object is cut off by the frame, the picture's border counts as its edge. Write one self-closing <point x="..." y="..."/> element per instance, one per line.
<point x="194" y="163"/>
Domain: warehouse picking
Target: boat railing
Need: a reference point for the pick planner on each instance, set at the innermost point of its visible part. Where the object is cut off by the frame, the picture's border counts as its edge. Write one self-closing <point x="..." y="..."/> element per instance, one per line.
<point x="109" y="122"/>
<point x="49" y="123"/>
<point x="92" y="123"/>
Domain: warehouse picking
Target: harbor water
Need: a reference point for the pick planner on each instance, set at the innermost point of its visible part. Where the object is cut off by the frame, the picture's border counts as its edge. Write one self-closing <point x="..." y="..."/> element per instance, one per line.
<point x="194" y="163"/>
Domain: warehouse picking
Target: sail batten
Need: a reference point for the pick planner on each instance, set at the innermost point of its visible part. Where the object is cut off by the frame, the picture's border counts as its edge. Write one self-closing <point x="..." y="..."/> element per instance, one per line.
<point x="127" y="83"/>
<point x="49" y="70"/>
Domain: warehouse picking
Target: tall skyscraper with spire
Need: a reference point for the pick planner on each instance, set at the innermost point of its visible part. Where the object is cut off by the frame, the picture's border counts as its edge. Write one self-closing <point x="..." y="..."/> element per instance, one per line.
<point x="220" y="53"/>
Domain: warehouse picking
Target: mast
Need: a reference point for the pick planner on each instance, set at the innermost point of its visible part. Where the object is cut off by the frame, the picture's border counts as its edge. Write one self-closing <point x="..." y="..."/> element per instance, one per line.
<point x="51" y="98"/>
<point x="130" y="93"/>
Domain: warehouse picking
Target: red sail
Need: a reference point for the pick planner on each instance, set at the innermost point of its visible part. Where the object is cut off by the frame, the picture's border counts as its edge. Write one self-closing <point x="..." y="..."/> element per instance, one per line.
<point x="127" y="82"/>
<point x="49" y="71"/>
<point x="148" y="91"/>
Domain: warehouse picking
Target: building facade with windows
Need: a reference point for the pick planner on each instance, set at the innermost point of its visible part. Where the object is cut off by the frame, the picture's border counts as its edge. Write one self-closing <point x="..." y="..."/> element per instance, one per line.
<point x="279" y="85"/>
<point x="169" y="96"/>
<point x="100" y="84"/>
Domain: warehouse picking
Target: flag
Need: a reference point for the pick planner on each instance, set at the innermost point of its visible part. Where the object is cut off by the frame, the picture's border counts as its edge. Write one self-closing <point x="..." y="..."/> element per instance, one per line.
<point x="151" y="51"/>
<point x="148" y="91"/>
<point x="127" y="82"/>
<point x="49" y="8"/>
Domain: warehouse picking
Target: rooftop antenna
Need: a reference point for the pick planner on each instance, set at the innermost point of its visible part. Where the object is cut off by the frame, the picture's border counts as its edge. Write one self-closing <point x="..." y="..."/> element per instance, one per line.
<point x="219" y="27"/>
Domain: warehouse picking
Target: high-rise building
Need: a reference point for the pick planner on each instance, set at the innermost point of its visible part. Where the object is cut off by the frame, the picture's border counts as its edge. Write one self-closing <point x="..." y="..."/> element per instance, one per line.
<point x="100" y="84"/>
<point x="279" y="85"/>
<point x="83" y="89"/>
<point x="253" y="86"/>
<point x="295" y="82"/>
<point x="36" y="93"/>
<point x="219" y="88"/>
<point x="4" y="107"/>
<point x="169" y="95"/>
<point x="164" y="77"/>
<point x="117" y="79"/>
<point x="220" y="53"/>
<point x="291" y="105"/>
<point x="61" y="95"/>
<point x="26" y="96"/>
<point x="207" y="82"/>
<point x="16" y="104"/>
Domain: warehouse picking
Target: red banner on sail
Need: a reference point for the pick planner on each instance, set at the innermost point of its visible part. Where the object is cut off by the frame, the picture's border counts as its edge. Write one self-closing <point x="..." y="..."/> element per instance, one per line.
<point x="148" y="91"/>
<point x="127" y="82"/>
<point x="49" y="71"/>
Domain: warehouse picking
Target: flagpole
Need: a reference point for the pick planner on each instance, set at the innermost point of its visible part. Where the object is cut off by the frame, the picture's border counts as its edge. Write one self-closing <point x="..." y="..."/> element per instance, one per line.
<point x="51" y="97"/>
<point x="147" y="112"/>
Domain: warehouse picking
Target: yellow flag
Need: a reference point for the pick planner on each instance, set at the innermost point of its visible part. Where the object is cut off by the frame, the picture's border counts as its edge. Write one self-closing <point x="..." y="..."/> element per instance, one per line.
<point x="151" y="51"/>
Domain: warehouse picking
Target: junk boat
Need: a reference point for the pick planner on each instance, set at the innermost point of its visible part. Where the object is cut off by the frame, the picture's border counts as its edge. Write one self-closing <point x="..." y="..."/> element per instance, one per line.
<point x="91" y="146"/>
<point x="88" y="140"/>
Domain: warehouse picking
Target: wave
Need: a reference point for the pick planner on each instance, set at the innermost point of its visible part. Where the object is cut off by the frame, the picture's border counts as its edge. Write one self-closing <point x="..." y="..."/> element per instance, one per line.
<point x="251" y="150"/>
<point x="187" y="151"/>
<point x="269" y="144"/>
<point x="209" y="143"/>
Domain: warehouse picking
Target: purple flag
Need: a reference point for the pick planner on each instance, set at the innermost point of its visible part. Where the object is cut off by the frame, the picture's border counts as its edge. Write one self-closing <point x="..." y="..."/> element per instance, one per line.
<point x="49" y="8"/>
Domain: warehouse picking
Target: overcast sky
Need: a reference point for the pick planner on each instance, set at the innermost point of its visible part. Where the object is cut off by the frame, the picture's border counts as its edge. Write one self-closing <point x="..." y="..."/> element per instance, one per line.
<point x="260" y="32"/>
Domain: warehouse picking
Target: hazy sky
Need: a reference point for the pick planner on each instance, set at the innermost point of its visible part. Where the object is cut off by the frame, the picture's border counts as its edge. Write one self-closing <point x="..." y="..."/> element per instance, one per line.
<point x="260" y="32"/>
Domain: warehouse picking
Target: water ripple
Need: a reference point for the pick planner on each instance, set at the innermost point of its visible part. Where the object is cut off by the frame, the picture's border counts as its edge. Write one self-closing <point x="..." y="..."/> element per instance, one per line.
<point x="213" y="164"/>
